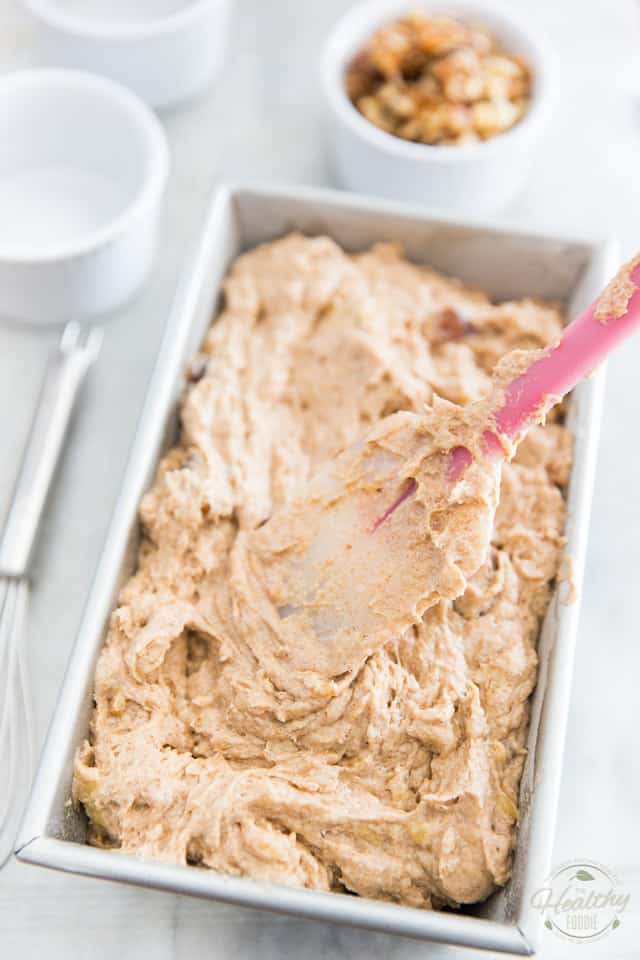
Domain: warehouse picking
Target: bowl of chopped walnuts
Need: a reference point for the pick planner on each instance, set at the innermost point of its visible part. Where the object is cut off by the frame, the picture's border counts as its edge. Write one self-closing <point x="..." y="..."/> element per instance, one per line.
<point x="441" y="103"/>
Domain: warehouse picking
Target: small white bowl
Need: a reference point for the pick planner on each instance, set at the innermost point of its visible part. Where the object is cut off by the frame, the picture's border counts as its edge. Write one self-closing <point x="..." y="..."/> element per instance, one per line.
<point x="475" y="178"/>
<point x="83" y="170"/>
<point x="166" y="51"/>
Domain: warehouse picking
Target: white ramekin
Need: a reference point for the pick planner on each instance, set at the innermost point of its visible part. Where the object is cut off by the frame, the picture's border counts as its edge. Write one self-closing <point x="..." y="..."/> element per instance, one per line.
<point x="166" y="51"/>
<point x="83" y="170"/>
<point x="475" y="178"/>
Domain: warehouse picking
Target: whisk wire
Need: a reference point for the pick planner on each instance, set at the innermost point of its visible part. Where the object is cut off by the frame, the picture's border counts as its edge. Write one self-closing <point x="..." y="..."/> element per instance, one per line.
<point x="11" y="707"/>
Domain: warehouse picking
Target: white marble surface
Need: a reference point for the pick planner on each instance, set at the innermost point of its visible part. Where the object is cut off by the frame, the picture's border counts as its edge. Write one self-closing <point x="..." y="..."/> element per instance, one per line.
<point x="263" y="120"/>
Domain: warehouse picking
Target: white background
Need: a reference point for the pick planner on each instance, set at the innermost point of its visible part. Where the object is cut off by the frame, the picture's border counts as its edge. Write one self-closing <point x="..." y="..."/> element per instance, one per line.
<point x="263" y="120"/>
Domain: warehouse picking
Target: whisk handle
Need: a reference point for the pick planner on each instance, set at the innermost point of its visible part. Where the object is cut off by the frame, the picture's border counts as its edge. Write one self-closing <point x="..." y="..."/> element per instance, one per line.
<point x="64" y="375"/>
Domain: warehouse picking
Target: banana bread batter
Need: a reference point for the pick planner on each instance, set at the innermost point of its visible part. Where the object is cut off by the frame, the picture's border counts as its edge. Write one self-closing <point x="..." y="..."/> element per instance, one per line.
<point x="394" y="775"/>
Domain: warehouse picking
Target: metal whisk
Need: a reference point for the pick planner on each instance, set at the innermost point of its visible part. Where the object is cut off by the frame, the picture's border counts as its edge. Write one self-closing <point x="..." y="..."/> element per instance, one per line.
<point x="75" y="353"/>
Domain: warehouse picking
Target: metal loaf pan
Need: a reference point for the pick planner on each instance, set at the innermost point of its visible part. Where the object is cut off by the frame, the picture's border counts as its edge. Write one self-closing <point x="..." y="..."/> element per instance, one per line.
<point x="505" y="262"/>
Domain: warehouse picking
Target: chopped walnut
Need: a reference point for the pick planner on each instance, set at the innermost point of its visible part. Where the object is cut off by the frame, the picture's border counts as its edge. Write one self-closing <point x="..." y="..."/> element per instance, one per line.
<point x="449" y="324"/>
<point x="438" y="80"/>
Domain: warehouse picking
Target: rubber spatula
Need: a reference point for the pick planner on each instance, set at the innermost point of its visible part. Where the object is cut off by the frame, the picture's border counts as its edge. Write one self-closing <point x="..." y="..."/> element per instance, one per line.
<point x="395" y="523"/>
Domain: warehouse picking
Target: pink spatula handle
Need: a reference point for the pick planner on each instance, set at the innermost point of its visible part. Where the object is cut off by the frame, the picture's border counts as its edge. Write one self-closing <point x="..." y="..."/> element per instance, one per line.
<point x="584" y="344"/>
